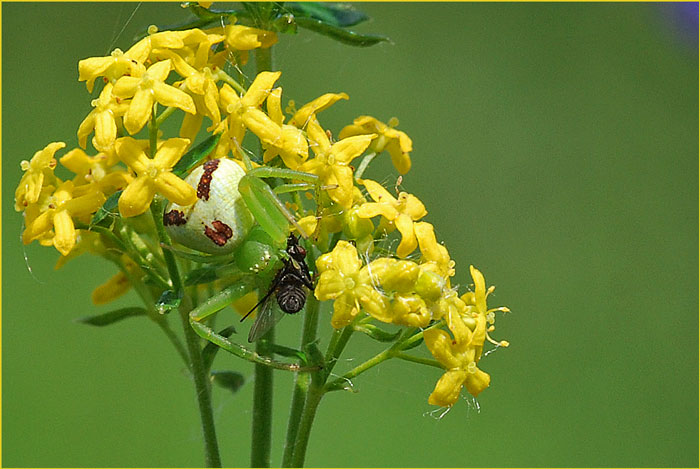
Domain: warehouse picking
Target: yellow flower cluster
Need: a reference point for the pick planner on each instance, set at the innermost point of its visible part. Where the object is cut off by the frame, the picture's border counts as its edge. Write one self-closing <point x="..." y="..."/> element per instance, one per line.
<point x="414" y="292"/>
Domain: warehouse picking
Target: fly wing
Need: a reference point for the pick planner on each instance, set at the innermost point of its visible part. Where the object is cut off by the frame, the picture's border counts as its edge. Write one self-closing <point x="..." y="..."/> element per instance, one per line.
<point x="268" y="315"/>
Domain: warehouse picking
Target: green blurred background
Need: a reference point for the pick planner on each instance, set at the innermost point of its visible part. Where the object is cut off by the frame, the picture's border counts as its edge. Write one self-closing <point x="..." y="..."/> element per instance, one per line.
<point x="556" y="149"/>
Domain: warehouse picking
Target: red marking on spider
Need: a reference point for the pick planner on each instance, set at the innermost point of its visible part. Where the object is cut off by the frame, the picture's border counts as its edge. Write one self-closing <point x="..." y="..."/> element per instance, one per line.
<point x="174" y="217"/>
<point x="205" y="181"/>
<point x="220" y="234"/>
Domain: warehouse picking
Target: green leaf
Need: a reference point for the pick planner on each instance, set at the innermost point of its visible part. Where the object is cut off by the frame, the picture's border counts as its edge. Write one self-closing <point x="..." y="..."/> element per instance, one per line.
<point x="341" y="35"/>
<point x="196" y="154"/>
<point x="209" y="351"/>
<point x="109" y="209"/>
<point x="230" y="380"/>
<point x="288" y="352"/>
<point x="105" y="319"/>
<point x="376" y="333"/>
<point x="335" y="14"/>
<point x="168" y="301"/>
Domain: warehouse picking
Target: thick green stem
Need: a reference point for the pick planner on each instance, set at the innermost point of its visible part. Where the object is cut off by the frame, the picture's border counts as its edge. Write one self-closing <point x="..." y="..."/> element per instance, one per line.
<point x="262" y="405"/>
<point x="302" y="382"/>
<point x="203" y="391"/>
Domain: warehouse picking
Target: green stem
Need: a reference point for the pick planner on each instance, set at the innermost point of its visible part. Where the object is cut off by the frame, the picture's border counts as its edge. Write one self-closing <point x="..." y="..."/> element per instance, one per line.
<point x="199" y="372"/>
<point x="153" y="131"/>
<point x="262" y="397"/>
<point x="313" y="399"/>
<point x="302" y="382"/>
<point x="363" y="164"/>
<point x="421" y="360"/>
<point x="262" y="404"/>
<point x="203" y="392"/>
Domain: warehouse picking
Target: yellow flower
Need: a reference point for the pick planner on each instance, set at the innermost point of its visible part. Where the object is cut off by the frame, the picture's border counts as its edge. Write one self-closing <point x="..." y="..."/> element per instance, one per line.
<point x="244" y="112"/>
<point x="332" y="161"/>
<point x="403" y="212"/>
<point x="287" y="141"/>
<point x="153" y="175"/>
<point x="459" y="357"/>
<point x="345" y="280"/>
<point x="95" y="170"/>
<point x="115" y="286"/>
<point x="476" y="304"/>
<point x="56" y="213"/>
<point x="308" y="111"/>
<point x="202" y="89"/>
<point x="147" y="89"/>
<point x="114" y="66"/>
<point x="36" y="171"/>
<point x="397" y="143"/>
<point x="246" y="38"/>
<point x="103" y="120"/>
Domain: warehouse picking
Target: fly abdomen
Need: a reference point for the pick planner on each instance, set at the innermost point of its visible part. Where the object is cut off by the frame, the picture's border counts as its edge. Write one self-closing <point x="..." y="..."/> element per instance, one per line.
<point x="291" y="297"/>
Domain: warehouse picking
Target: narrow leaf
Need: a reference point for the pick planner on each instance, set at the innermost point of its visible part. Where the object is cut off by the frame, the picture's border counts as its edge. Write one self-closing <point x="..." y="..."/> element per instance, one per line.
<point x="336" y="14"/>
<point x="196" y="154"/>
<point x="230" y="380"/>
<point x="105" y="319"/>
<point x="341" y="35"/>
<point x="108" y="209"/>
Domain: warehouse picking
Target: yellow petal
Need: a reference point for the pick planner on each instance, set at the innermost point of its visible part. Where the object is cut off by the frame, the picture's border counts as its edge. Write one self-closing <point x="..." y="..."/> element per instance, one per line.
<point x="350" y="148"/>
<point x="175" y="189"/>
<point x="191" y="123"/>
<point x="374" y="303"/>
<point x="86" y="127"/>
<point x="274" y="106"/>
<point x="399" y="156"/>
<point x="64" y="240"/>
<point x="105" y="129"/>
<point x="372" y="209"/>
<point x="342" y="176"/>
<point x="159" y="71"/>
<point x="77" y="161"/>
<point x="260" y="88"/>
<point x="378" y="193"/>
<point x="345" y="258"/>
<point x="447" y="389"/>
<point x="439" y="343"/>
<point x="85" y="204"/>
<point x="408" y="238"/>
<point x="91" y="68"/>
<point x="413" y="207"/>
<point x="344" y="311"/>
<point x="170" y="96"/>
<point x="137" y="197"/>
<point x="479" y="289"/>
<point x="132" y="154"/>
<point x="169" y="152"/>
<point x="112" y="289"/>
<point x="261" y="125"/>
<point x="330" y="285"/>
<point x="126" y="87"/>
<point x="139" y="111"/>
<point x="477" y="382"/>
<point x="302" y="117"/>
<point x="40" y="225"/>
<point x="317" y="137"/>
<point x="428" y="243"/>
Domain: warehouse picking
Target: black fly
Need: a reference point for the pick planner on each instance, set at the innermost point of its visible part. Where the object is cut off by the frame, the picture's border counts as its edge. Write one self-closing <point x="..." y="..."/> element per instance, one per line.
<point x="288" y="287"/>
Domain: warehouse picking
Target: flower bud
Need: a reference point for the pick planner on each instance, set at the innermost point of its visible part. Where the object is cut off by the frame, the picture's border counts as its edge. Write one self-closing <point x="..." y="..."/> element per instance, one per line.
<point x="429" y="285"/>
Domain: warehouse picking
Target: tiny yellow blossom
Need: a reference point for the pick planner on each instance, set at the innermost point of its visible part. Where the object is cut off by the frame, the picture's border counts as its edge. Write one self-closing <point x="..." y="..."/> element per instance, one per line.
<point x="459" y="357"/>
<point x="103" y="120"/>
<point x="396" y="142"/>
<point x="115" y="286"/>
<point x="153" y="175"/>
<point x="36" y="171"/>
<point x="57" y="212"/>
<point x="433" y="251"/>
<point x="245" y="38"/>
<point x="244" y="112"/>
<point x="288" y="141"/>
<point x="114" y="66"/>
<point x="308" y="111"/>
<point x="345" y="280"/>
<point x="147" y="89"/>
<point x="332" y="161"/>
<point x="96" y="170"/>
<point x="403" y="212"/>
